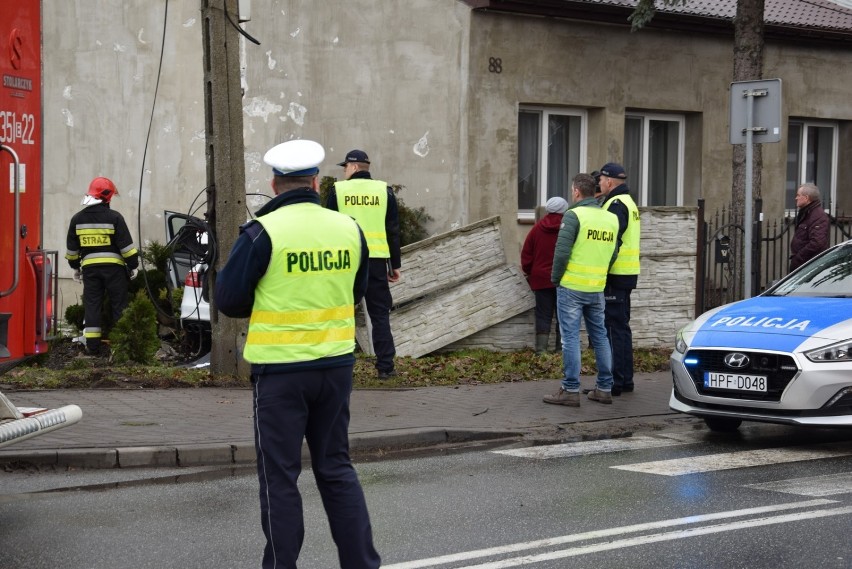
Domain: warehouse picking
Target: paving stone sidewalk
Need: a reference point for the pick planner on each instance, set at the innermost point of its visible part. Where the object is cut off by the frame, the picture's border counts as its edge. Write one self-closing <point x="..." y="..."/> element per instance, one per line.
<point x="126" y="428"/>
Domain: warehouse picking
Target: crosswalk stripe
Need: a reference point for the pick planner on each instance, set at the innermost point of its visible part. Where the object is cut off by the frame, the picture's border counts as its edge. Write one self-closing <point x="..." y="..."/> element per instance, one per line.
<point x="591" y="447"/>
<point x="741" y="459"/>
<point x="606" y="533"/>
<point x="826" y="485"/>
<point x="660" y="537"/>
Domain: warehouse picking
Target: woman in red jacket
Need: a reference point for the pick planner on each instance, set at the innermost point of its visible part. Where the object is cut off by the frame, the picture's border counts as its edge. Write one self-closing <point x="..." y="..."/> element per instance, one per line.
<point x="537" y="263"/>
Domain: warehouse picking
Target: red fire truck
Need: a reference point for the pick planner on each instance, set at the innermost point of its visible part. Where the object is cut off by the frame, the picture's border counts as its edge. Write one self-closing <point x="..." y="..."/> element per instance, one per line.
<point x="28" y="277"/>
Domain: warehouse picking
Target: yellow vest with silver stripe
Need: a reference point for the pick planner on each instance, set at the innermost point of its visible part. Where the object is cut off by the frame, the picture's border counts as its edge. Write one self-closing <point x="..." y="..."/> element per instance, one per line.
<point x="592" y="250"/>
<point x="367" y="201"/>
<point x="627" y="262"/>
<point x="304" y="308"/>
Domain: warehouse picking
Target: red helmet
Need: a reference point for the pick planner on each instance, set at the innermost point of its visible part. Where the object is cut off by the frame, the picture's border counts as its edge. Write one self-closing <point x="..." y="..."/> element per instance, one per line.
<point x="102" y="189"/>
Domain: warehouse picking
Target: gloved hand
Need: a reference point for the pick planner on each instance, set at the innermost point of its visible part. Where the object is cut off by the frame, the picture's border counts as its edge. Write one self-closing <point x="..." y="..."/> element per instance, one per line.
<point x="78" y="276"/>
<point x="133" y="273"/>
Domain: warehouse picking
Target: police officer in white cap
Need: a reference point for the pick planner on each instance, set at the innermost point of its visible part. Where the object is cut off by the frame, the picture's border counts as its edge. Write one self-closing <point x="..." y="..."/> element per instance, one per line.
<point x="298" y="271"/>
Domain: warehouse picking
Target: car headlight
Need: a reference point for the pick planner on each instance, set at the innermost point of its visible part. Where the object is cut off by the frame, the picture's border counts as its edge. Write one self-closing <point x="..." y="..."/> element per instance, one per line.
<point x="680" y="343"/>
<point x="841" y="352"/>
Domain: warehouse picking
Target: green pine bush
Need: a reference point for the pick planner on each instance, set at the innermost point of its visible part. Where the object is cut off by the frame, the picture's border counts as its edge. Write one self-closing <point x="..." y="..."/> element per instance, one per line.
<point x="134" y="337"/>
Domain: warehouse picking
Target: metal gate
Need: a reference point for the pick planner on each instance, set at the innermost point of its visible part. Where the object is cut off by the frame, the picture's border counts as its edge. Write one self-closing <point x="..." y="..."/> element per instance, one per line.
<point x="720" y="249"/>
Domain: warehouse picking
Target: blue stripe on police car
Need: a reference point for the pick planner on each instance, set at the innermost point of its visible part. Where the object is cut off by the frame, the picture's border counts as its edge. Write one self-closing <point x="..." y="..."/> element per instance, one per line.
<point x="770" y="323"/>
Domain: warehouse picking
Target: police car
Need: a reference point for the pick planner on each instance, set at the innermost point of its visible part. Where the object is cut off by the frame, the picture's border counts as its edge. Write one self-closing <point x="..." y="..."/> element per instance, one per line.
<point x="784" y="356"/>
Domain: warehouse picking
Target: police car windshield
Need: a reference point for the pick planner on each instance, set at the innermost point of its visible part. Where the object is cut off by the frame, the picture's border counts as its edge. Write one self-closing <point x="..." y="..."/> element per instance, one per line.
<point x="828" y="276"/>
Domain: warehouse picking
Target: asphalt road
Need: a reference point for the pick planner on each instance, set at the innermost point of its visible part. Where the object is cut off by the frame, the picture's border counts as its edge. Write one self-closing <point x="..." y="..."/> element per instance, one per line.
<point x="771" y="497"/>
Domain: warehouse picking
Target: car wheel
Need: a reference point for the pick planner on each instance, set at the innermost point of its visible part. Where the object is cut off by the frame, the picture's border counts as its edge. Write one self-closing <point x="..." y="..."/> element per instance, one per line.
<point x="722" y="424"/>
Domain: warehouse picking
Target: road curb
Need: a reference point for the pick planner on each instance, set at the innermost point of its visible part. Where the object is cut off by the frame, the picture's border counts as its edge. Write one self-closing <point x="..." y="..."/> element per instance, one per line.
<point x="240" y="453"/>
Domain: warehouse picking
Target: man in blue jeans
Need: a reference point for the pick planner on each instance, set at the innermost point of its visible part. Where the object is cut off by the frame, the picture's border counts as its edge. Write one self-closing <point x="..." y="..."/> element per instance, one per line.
<point x="585" y="249"/>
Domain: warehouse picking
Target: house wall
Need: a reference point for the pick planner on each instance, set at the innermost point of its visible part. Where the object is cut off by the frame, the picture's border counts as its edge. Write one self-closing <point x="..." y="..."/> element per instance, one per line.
<point x="608" y="71"/>
<point x="408" y="82"/>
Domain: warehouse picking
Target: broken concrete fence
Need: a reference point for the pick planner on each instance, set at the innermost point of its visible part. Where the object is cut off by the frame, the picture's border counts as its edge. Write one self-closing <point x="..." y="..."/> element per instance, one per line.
<point x="453" y="285"/>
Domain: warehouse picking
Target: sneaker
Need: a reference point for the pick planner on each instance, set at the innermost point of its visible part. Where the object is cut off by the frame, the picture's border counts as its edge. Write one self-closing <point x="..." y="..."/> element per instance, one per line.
<point x="600" y="396"/>
<point x="562" y="397"/>
<point x="382" y="375"/>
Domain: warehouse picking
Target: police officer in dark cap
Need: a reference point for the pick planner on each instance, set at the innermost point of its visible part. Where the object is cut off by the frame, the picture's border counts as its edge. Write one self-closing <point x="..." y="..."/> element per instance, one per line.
<point x="298" y="270"/>
<point x="623" y="274"/>
<point x="373" y="205"/>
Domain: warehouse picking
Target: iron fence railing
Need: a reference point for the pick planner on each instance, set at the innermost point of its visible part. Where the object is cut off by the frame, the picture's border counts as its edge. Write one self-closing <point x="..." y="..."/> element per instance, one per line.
<point x="719" y="278"/>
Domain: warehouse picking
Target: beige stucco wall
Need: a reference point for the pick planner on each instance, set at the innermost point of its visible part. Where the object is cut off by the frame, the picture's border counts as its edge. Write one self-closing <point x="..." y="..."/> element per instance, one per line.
<point x="390" y="81"/>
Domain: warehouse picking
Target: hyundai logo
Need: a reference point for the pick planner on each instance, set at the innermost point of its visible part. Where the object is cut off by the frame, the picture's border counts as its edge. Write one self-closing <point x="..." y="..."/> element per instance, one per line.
<point x="736" y="360"/>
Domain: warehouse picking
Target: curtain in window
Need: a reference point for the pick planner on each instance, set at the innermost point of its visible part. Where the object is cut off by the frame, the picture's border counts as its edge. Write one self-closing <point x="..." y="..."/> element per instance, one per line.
<point x="528" y="159"/>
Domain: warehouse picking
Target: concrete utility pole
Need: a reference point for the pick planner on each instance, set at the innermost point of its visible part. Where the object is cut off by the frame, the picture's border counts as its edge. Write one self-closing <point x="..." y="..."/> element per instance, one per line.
<point x="225" y="166"/>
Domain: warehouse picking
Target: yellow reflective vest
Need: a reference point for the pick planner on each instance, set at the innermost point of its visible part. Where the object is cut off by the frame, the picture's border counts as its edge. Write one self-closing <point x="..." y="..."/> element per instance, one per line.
<point x="627" y="262"/>
<point x="367" y="201"/>
<point x="304" y="307"/>
<point x="592" y="250"/>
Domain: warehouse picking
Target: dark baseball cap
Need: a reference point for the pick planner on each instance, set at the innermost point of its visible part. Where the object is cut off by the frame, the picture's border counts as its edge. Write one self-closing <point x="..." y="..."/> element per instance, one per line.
<point x="355" y="156"/>
<point x="613" y="170"/>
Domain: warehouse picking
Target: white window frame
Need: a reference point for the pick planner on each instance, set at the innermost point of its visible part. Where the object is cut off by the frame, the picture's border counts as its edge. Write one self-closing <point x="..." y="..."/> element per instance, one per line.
<point x="544" y="114"/>
<point x="641" y="182"/>
<point x="803" y="163"/>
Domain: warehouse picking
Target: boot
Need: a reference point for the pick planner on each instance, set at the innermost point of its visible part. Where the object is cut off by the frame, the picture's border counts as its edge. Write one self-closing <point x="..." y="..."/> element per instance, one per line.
<point x="541" y="343"/>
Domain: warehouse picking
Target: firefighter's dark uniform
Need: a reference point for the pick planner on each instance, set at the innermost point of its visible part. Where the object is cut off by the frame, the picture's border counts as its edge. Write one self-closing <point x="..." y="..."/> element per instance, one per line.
<point x="375" y="209"/>
<point x="100" y="245"/>
<point x="298" y="270"/>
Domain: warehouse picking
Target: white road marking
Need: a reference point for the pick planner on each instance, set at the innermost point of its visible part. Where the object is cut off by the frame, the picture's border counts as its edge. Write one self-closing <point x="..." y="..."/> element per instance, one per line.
<point x="591" y="447"/>
<point x="609" y="532"/>
<point x="659" y="537"/>
<point x="827" y="485"/>
<point x="741" y="459"/>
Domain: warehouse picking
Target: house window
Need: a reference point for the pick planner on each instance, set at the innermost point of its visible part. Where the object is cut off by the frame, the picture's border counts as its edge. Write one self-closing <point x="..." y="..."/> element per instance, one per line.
<point x="551" y="151"/>
<point x="811" y="157"/>
<point x="653" y="158"/>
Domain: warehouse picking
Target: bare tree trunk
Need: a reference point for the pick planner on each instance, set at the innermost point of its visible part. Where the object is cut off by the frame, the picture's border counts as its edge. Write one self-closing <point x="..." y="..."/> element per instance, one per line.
<point x="748" y="66"/>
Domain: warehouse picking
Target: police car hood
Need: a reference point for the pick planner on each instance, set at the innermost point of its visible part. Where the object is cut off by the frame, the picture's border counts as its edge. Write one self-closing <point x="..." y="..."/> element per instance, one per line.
<point x="780" y="323"/>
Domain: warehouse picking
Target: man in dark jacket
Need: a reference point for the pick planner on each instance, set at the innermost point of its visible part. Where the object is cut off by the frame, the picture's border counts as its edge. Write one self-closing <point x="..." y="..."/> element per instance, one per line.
<point x="623" y="275"/>
<point x="298" y="270"/>
<point x="100" y="250"/>
<point x="372" y="204"/>
<point x="812" y="223"/>
<point x="537" y="264"/>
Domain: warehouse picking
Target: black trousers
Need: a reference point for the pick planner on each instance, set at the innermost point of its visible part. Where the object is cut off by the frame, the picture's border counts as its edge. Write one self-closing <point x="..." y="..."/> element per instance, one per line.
<point x="100" y="281"/>
<point x="545" y="309"/>
<point x="311" y="405"/>
<point x="379" y="303"/>
<point x="617" y="322"/>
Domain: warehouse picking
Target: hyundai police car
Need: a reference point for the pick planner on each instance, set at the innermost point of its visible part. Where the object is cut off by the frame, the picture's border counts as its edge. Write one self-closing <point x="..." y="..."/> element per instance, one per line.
<point x="782" y="357"/>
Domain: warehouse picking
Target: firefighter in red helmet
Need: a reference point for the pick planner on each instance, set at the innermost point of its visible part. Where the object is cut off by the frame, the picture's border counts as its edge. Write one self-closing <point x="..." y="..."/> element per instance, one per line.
<point x="100" y="250"/>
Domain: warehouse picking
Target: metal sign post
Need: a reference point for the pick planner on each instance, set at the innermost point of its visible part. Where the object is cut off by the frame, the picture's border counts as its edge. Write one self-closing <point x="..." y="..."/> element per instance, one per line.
<point x="758" y="103"/>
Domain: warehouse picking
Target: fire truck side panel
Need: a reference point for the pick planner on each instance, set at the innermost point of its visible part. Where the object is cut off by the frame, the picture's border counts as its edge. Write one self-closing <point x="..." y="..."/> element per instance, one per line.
<point x="21" y="203"/>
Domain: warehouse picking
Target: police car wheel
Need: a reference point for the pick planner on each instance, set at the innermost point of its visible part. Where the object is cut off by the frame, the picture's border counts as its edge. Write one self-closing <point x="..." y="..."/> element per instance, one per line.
<point x="722" y="424"/>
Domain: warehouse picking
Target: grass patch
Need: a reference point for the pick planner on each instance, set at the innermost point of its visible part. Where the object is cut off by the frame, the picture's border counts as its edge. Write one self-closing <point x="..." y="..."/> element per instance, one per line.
<point x="468" y="367"/>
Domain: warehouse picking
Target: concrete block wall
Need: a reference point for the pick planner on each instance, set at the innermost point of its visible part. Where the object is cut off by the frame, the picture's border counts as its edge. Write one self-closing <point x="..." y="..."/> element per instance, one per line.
<point x="663" y="301"/>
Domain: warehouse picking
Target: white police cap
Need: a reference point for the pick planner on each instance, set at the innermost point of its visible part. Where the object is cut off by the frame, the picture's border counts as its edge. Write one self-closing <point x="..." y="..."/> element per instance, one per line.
<point x="295" y="158"/>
